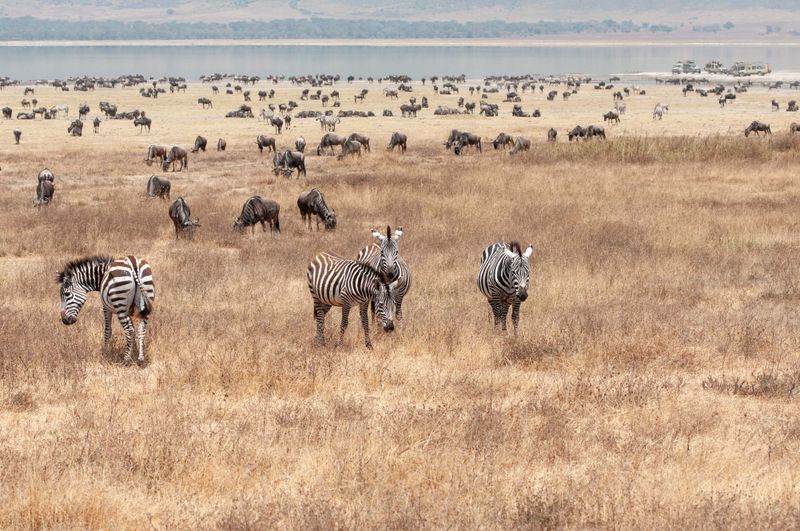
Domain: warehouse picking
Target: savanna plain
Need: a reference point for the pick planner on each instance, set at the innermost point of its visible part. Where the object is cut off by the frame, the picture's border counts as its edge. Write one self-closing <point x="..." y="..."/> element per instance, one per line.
<point x="654" y="382"/>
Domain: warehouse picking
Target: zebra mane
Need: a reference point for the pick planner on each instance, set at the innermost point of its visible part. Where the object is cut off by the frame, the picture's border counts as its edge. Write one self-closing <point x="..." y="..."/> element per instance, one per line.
<point x="377" y="273"/>
<point x="80" y="262"/>
<point x="515" y="248"/>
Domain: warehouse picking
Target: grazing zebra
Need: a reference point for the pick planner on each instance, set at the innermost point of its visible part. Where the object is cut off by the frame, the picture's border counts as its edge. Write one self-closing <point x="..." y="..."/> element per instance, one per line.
<point x="336" y="281"/>
<point x="503" y="278"/>
<point x="659" y="110"/>
<point x="126" y="288"/>
<point x="384" y="256"/>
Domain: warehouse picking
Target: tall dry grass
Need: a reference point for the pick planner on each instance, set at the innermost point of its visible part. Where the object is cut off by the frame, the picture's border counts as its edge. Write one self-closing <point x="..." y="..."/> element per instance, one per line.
<point x="652" y="385"/>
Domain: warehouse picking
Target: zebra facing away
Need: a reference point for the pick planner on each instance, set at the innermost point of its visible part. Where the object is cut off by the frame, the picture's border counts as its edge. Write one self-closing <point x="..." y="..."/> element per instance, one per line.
<point x="336" y="281"/>
<point x="126" y="288"/>
<point x="503" y="278"/>
<point x="384" y="256"/>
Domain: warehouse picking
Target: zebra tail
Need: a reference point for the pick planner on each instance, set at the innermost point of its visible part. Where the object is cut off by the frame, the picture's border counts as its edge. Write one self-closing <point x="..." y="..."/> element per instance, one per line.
<point x="148" y="305"/>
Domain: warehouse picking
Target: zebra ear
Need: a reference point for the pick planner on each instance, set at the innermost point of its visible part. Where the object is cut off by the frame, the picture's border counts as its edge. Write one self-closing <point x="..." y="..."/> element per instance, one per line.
<point x="377" y="235"/>
<point x="528" y="252"/>
<point x="398" y="233"/>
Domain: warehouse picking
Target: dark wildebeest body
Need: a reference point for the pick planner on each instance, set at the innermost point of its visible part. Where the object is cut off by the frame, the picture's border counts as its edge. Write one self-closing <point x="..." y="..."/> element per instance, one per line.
<point x="176" y="154"/>
<point x="7" y="112"/>
<point x="611" y="116"/>
<point x="205" y="102"/>
<point x="595" y="131"/>
<point x="259" y="210"/>
<point x="200" y="144"/>
<point x="287" y="160"/>
<point x="351" y="147"/>
<point x="83" y="110"/>
<point x="156" y="152"/>
<point x="552" y="135"/>
<point x="44" y="193"/>
<point x="329" y="140"/>
<point x="180" y="214"/>
<point x="277" y="123"/>
<point x="300" y="144"/>
<point x="143" y="123"/>
<point x="313" y="203"/>
<point x="503" y="140"/>
<point x="794" y="128"/>
<point x="96" y="125"/>
<point x="17" y="135"/>
<point x="45" y="175"/>
<point x="75" y="128"/>
<point x="158" y="187"/>
<point x="221" y="144"/>
<point x="364" y="140"/>
<point x="757" y="127"/>
<point x="263" y="141"/>
<point x="398" y="139"/>
<point x="577" y="133"/>
<point x="467" y="140"/>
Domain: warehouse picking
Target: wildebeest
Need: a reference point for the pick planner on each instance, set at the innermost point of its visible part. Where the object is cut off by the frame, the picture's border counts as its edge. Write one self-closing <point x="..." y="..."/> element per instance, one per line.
<point x="397" y="140"/>
<point x="552" y="135"/>
<point x="794" y="128"/>
<point x="156" y="152"/>
<point x="75" y="128"/>
<point x="26" y="116"/>
<point x="350" y="147"/>
<point x="83" y="110"/>
<point x="364" y="140"/>
<point x="611" y="117"/>
<point x="595" y="130"/>
<point x="200" y="144"/>
<point x="455" y="134"/>
<point x="143" y="122"/>
<point x="577" y="133"/>
<point x="503" y="140"/>
<point x="205" y="102"/>
<point x="7" y="112"/>
<point x="44" y="193"/>
<point x="300" y="144"/>
<point x="176" y="154"/>
<point x="259" y="210"/>
<point x="17" y="135"/>
<point x="263" y="141"/>
<point x="313" y="203"/>
<point x="775" y="106"/>
<point x="180" y="214"/>
<point x="467" y="140"/>
<point x="328" y="141"/>
<point x="277" y="123"/>
<point x="287" y="160"/>
<point x="45" y="175"/>
<point x="520" y="144"/>
<point x="757" y="128"/>
<point x="158" y="187"/>
<point x="96" y="124"/>
<point x="221" y="144"/>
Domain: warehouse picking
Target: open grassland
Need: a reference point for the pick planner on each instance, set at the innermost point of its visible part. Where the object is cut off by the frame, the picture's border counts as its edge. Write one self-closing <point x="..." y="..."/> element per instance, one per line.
<point x="654" y="382"/>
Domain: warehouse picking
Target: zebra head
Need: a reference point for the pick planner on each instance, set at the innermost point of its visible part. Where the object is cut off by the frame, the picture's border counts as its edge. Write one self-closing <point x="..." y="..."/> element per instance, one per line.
<point x="76" y="280"/>
<point x="389" y="251"/>
<point x="520" y="269"/>
<point x="383" y="301"/>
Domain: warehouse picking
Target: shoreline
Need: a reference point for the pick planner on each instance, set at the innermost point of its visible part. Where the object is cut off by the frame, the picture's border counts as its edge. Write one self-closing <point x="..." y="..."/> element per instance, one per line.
<point x="480" y="43"/>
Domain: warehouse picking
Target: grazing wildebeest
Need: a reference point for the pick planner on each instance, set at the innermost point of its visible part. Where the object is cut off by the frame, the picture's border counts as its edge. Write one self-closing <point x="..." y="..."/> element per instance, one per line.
<point x="158" y="187"/>
<point x="180" y="214"/>
<point x="7" y="112"/>
<point x="45" y="175"/>
<point x="364" y="140"/>
<point x="455" y="134"/>
<point x="83" y="110"/>
<point x="470" y="107"/>
<point x="794" y="128"/>
<point x="520" y="144"/>
<point x="328" y="141"/>
<point x="397" y="140"/>
<point x="143" y="122"/>
<point x="757" y="128"/>
<point x="313" y="203"/>
<point x="96" y="124"/>
<point x="467" y="140"/>
<point x="350" y="147"/>
<point x="775" y="106"/>
<point x="659" y="110"/>
<point x="156" y="152"/>
<point x="176" y="154"/>
<point x="300" y="144"/>
<point x="259" y="210"/>
<point x="263" y="141"/>
<point x="552" y="135"/>
<point x="611" y="116"/>
<point x="286" y="161"/>
<point x="205" y="102"/>
<point x="503" y="140"/>
<point x="44" y="193"/>
<point x="792" y="106"/>
<point x="200" y="144"/>
<point x="75" y="128"/>
<point x="595" y="131"/>
<point x="17" y="135"/>
<point x="277" y="123"/>
<point x="221" y="144"/>
<point x="577" y="133"/>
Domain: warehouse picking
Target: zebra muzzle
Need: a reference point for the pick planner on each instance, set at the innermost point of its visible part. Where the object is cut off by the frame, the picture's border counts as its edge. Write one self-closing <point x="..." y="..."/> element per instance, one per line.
<point x="388" y="327"/>
<point x="68" y="319"/>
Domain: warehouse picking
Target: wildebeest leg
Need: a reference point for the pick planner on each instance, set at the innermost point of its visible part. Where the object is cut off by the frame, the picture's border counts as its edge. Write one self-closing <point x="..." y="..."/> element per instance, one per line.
<point x="264" y="226"/>
<point x="106" y="329"/>
<point x="320" y="310"/>
<point x="345" y="317"/>
<point x="515" y="315"/>
<point x="365" y="324"/>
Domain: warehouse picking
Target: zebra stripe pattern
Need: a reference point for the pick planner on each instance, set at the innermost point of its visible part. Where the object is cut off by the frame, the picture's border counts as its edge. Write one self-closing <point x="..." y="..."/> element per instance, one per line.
<point x="336" y="281"/>
<point x="385" y="257"/>
<point x="126" y="288"/>
<point x="503" y="278"/>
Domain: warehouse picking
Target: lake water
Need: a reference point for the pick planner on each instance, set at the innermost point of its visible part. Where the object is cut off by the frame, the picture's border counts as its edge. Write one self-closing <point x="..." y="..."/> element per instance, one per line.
<point x="61" y="61"/>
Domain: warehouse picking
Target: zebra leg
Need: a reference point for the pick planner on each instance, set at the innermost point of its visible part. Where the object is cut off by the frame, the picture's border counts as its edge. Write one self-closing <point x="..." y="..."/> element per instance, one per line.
<point x="142" y="332"/>
<point x="320" y="311"/>
<point x="365" y="324"/>
<point x="345" y="317"/>
<point x="106" y="329"/>
<point x="127" y="328"/>
<point x="398" y="309"/>
<point x="496" y="311"/>
<point x="515" y="315"/>
<point x="504" y="315"/>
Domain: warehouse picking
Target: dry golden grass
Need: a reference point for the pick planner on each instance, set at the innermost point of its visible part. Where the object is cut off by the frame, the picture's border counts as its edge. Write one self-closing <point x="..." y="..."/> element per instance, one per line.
<point x="654" y="382"/>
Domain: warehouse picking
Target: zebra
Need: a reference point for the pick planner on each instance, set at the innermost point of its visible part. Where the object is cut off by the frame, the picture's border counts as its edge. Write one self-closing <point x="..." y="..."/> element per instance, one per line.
<point x="503" y="278"/>
<point x="126" y="288"/>
<point x="659" y="110"/>
<point x="384" y="256"/>
<point x="336" y="281"/>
